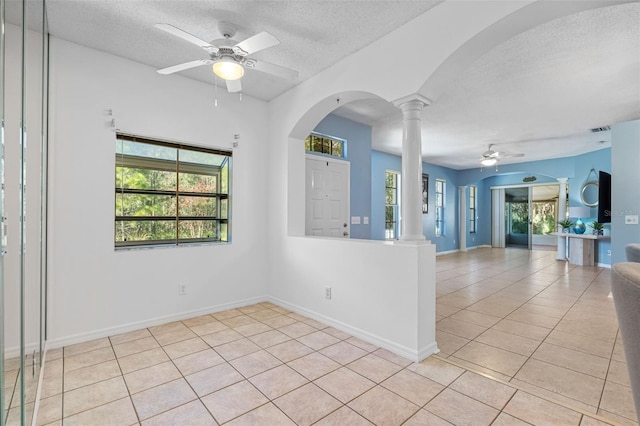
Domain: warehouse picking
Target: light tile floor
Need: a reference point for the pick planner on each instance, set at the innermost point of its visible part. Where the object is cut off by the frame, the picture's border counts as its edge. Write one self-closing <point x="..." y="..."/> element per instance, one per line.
<point x="264" y="365"/>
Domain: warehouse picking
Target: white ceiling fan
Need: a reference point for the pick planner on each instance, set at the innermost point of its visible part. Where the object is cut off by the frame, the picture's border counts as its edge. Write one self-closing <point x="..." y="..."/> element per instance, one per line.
<point x="228" y="57"/>
<point x="491" y="157"/>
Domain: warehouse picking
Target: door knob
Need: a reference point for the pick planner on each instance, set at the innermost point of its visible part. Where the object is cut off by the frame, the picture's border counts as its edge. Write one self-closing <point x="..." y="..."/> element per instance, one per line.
<point x="345" y="233"/>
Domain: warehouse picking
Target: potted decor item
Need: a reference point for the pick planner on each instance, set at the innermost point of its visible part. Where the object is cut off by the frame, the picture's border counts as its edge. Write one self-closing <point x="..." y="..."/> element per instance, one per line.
<point x="580" y="227"/>
<point x="598" y="228"/>
<point x="566" y="225"/>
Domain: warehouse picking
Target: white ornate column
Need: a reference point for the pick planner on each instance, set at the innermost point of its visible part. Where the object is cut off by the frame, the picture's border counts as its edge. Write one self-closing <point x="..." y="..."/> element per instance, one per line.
<point x="562" y="215"/>
<point x="411" y="202"/>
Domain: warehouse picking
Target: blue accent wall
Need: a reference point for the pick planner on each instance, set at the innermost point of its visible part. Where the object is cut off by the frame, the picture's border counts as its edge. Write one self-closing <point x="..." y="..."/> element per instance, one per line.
<point x="358" y="137"/>
<point x="380" y="163"/>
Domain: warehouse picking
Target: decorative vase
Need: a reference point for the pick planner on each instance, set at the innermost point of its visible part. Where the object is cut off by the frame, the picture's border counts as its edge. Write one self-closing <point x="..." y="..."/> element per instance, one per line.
<point x="579" y="227"/>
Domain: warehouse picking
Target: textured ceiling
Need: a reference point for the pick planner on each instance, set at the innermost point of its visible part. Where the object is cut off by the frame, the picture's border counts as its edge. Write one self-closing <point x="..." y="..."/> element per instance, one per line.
<point x="538" y="93"/>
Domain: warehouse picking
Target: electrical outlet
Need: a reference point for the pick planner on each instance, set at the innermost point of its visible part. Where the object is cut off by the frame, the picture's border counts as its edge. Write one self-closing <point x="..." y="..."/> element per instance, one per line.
<point x="327" y="292"/>
<point x="182" y="289"/>
<point x="608" y="252"/>
<point x="631" y="219"/>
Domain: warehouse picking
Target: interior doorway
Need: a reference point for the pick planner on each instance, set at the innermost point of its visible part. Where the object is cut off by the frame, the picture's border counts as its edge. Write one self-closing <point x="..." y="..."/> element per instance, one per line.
<point x="327" y="205"/>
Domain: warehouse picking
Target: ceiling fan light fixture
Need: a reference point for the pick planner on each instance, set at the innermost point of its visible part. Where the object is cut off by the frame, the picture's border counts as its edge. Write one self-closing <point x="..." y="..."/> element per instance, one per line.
<point x="228" y="69"/>
<point x="487" y="162"/>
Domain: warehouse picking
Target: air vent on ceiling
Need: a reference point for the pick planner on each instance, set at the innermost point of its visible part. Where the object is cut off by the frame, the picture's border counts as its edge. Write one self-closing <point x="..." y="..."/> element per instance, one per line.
<point x="600" y="129"/>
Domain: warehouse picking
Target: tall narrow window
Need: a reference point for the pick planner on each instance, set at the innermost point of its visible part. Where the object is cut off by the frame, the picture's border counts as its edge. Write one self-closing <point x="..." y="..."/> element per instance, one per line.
<point x="392" y="205"/>
<point x="170" y="194"/>
<point x="440" y="203"/>
<point x="472" y="208"/>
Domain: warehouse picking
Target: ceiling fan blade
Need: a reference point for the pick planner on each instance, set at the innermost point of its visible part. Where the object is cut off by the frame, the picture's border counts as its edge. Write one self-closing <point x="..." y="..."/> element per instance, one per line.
<point x="186" y="36"/>
<point x="185" y="66"/>
<point x="511" y="155"/>
<point x="234" y="86"/>
<point x="257" y="42"/>
<point x="277" y="70"/>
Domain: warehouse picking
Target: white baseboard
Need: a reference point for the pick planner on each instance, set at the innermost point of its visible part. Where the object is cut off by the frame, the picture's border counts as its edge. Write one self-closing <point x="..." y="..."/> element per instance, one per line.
<point x="413" y="355"/>
<point x="604" y="265"/>
<point x="439" y="253"/>
<point x="125" y="328"/>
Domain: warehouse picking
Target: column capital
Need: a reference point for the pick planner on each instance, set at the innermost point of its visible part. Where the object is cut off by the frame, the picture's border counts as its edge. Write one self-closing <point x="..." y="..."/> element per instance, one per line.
<point x="563" y="180"/>
<point x="414" y="100"/>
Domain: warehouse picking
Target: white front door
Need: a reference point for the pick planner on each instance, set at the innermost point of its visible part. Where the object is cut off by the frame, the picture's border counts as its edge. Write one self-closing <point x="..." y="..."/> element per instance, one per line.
<point x="327" y="197"/>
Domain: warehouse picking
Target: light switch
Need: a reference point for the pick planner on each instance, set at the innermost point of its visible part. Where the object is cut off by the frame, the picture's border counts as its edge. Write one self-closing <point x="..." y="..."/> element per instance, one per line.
<point x="365" y="220"/>
<point x="355" y="220"/>
<point x="631" y="219"/>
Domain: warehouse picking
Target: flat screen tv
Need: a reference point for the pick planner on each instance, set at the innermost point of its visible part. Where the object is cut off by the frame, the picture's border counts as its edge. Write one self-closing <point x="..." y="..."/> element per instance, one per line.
<point x="604" y="197"/>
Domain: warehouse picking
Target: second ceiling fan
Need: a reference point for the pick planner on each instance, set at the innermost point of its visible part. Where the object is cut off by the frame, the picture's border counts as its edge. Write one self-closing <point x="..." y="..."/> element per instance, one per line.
<point x="491" y="157"/>
<point x="228" y="57"/>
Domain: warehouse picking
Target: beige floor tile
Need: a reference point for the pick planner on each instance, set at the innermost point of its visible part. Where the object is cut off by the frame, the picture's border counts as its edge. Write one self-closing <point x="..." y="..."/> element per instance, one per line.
<point x="267" y="414"/>
<point x="51" y="386"/>
<point x="619" y="420"/>
<point x="618" y="399"/>
<point x="149" y="377"/>
<point x="344" y="384"/>
<point x="590" y="421"/>
<point x="449" y="343"/>
<point x="394" y="358"/>
<point x="495" y="359"/>
<point x="595" y="330"/>
<point x="479" y="369"/>
<point x="343" y="352"/>
<point x="92" y="374"/>
<point x="580" y="343"/>
<point x="509" y="342"/>
<point x="198" y="361"/>
<point x="86" y="359"/>
<point x="269" y="338"/>
<point x="374" y="368"/>
<point x="313" y="365"/>
<point x="618" y="352"/>
<point x="485" y="390"/>
<point x="174" y="336"/>
<point x="265" y="314"/>
<point x="318" y="340"/>
<point x="226" y="314"/>
<point x="297" y="329"/>
<point x="278" y="322"/>
<point x="297" y="316"/>
<point x="202" y="319"/>
<point x="237" y="348"/>
<point x="53" y="354"/>
<point x="233" y="401"/>
<point x="533" y="319"/>
<point x="554" y="396"/>
<point x="477" y="318"/>
<point x="221" y="337"/>
<point x="315" y="324"/>
<point x="118" y="412"/>
<point x="490" y="307"/>
<point x="437" y="370"/>
<point x="50" y="409"/>
<point x="142" y="360"/>
<point x="278" y="381"/>
<point x="539" y="411"/>
<point x="290" y="350"/>
<point x="168" y="328"/>
<point x="521" y="329"/>
<point x="307" y="404"/>
<point x="505" y="419"/>
<point x="239" y="321"/>
<point x="338" y="334"/>
<point x="255" y="363"/>
<point x="208" y="328"/>
<point x="251" y="308"/>
<point x="344" y="416"/>
<point x="413" y="387"/>
<point x="94" y="395"/>
<point x="192" y="413"/>
<point x="366" y="346"/>
<point x="186" y="347"/>
<point x="460" y="328"/>
<point x="135" y="346"/>
<point x="383" y="407"/>
<point x="162" y="398"/>
<point x="425" y="418"/>
<point x="213" y="379"/>
<point x="572" y="359"/>
<point x="84" y="347"/>
<point x="619" y="373"/>
<point x="281" y="310"/>
<point x="563" y="381"/>
<point x="445" y="310"/>
<point x="460" y="409"/>
<point x="252" y="329"/>
<point x="128" y="337"/>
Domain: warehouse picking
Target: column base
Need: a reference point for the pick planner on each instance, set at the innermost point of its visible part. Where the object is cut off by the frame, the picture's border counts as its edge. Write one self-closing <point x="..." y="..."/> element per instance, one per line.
<point x="418" y="237"/>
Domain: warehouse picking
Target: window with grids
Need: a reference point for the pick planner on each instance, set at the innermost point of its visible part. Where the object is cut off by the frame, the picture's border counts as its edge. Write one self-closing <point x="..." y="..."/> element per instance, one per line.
<point x="170" y="194"/>
<point x="323" y="144"/>
<point x="440" y="204"/>
<point x="392" y="205"/>
<point x="473" y="205"/>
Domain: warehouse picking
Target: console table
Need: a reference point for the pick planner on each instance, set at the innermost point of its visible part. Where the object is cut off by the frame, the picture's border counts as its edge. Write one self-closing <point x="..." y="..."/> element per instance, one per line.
<point x="581" y="247"/>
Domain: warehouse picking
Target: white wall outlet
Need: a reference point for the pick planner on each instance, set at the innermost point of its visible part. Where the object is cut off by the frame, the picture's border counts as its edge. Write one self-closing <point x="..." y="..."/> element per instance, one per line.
<point x="365" y="220"/>
<point x="355" y="220"/>
<point x="631" y="219"/>
<point x="182" y="289"/>
<point x="327" y="292"/>
<point x="608" y="252"/>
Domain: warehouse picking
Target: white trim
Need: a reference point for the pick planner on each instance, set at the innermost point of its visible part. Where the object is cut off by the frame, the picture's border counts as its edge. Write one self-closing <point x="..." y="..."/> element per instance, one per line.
<point x="326" y="157"/>
<point x="603" y="265"/>
<point x="446" y="252"/>
<point x="524" y="185"/>
<point x="111" y="331"/>
<point x="413" y="355"/>
<point x="36" y="405"/>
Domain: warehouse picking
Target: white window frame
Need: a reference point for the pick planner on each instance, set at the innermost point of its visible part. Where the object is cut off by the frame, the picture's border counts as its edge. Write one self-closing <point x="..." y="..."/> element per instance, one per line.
<point x="473" y="209"/>
<point x="440" y="223"/>
<point x="395" y="207"/>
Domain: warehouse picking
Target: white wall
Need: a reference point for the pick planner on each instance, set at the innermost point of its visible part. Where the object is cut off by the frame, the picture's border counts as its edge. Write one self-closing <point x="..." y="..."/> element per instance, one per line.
<point x="93" y="289"/>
